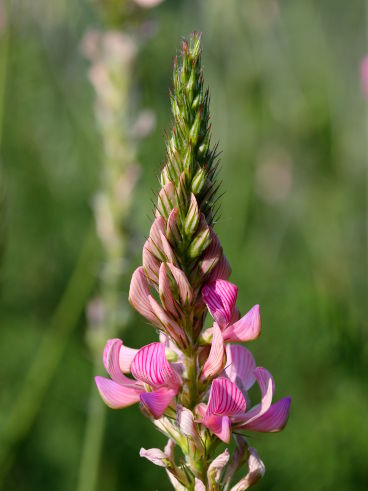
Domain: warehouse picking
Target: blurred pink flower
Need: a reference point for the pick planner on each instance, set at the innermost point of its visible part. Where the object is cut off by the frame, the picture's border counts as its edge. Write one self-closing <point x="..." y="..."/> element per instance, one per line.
<point x="148" y="3"/>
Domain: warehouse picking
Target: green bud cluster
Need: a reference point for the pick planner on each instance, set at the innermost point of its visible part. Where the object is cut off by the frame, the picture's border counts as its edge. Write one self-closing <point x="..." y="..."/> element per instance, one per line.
<point x="191" y="164"/>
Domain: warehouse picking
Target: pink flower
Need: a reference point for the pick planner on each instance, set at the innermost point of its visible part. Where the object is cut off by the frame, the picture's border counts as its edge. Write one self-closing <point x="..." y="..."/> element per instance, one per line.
<point x="227" y="402"/>
<point x="220" y="297"/>
<point x="156" y="382"/>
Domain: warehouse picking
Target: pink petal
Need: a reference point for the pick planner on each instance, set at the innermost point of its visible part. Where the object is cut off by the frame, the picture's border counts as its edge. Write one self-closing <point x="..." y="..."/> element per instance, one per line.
<point x="256" y="471"/>
<point x="198" y="485"/>
<point x="240" y="366"/>
<point x="139" y="294"/>
<point x="155" y="455"/>
<point x="186" y="425"/>
<point x="216" y="467"/>
<point x="111" y="362"/>
<point x="126" y="356"/>
<point x="220" y="426"/>
<point x="267" y="386"/>
<point x="157" y="401"/>
<point x="220" y="297"/>
<point x="225" y="398"/>
<point x="273" y="420"/>
<point x="166" y="199"/>
<point x="212" y="255"/>
<point x="247" y="328"/>
<point x="221" y="271"/>
<point x="151" y="367"/>
<point x="151" y="264"/>
<point x="185" y="290"/>
<point x="172" y="230"/>
<point x="166" y="322"/>
<point x="157" y="229"/>
<point x="215" y="361"/>
<point x="115" y="395"/>
<point x="164" y="290"/>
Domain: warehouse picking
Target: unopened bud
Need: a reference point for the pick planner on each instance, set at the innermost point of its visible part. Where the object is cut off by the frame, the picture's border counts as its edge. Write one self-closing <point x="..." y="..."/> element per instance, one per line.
<point x="201" y="241"/>
<point x="199" y="180"/>
<point x="192" y="218"/>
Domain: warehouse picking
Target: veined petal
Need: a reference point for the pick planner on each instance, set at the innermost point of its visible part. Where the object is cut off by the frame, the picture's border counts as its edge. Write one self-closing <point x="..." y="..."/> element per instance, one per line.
<point x="256" y="471"/>
<point x="139" y="294"/>
<point x="157" y="228"/>
<point x="172" y="230"/>
<point x="267" y="386"/>
<point x="240" y="366"/>
<point x="225" y="399"/>
<point x="221" y="271"/>
<point x="220" y="297"/>
<point x="155" y="455"/>
<point x="151" y="367"/>
<point x="247" y="328"/>
<point x="166" y="199"/>
<point x="185" y="290"/>
<point x="115" y="395"/>
<point x="151" y="264"/>
<point x="111" y="361"/>
<point x="215" y="361"/>
<point x="157" y="401"/>
<point x="164" y="290"/>
<point x="166" y="249"/>
<point x="212" y="255"/>
<point x="272" y="420"/>
<point x="126" y="356"/>
<point x="220" y="426"/>
<point x="166" y="322"/>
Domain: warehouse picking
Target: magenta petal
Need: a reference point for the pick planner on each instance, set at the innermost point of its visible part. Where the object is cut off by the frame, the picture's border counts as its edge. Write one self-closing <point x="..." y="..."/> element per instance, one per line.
<point x="157" y="401"/>
<point x="215" y="360"/>
<point x="240" y="366"/>
<point x="273" y="420"/>
<point x="247" y="328"/>
<point x="115" y="395"/>
<point x="151" y="366"/>
<point x="220" y="297"/>
<point x="267" y="386"/>
<point x="111" y="362"/>
<point x="220" y="426"/>
<point x="225" y="398"/>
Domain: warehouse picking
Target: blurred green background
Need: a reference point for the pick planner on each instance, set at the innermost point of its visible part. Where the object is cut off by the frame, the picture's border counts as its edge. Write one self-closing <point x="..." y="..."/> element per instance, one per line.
<point x="289" y="114"/>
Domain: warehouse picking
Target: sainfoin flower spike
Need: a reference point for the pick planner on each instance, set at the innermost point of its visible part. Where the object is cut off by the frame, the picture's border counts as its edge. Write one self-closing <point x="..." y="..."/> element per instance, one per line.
<point x="193" y="383"/>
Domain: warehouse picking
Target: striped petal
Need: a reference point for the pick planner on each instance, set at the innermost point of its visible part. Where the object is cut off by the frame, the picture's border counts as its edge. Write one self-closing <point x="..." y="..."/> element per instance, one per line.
<point x="247" y="328"/>
<point x="151" y="367"/>
<point x="272" y="420"/>
<point x="220" y="297"/>
<point x="172" y="230"/>
<point x="166" y="200"/>
<point x="165" y="293"/>
<point x="215" y="361"/>
<point x="240" y="366"/>
<point x="156" y="402"/>
<point x="212" y="255"/>
<point x="151" y="264"/>
<point x="225" y="399"/>
<point x="221" y="271"/>
<point x="111" y="361"/>
<point x="267" y="387"/>
<point x="166" y="322"/>
<point x="115" y="395"/>
<point x="139" y="294"/>
<point x="185" y="290"/>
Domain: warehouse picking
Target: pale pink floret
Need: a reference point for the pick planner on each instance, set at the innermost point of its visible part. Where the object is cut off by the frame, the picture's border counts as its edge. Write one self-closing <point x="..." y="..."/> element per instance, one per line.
<point x="220" y="298"/>
<point x="149" y="368"/>
<point x="226" y="404"/>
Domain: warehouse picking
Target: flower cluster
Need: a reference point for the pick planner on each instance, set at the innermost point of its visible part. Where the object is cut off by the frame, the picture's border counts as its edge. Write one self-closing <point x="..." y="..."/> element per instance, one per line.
<point x="193" y="383"/>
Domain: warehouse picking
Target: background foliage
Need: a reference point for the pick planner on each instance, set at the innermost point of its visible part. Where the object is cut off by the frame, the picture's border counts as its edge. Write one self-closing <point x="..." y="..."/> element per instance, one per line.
<point x="289" y="114"/>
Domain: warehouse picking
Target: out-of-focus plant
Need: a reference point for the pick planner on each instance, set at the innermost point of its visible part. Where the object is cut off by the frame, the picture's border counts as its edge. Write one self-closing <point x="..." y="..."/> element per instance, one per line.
<point x="194" y="383"/>
<point x="111" y="53"/>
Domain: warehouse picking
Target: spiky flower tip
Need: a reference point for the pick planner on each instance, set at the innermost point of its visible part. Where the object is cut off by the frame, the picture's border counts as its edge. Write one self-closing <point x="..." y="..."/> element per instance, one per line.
<point x="193" y="383"/>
